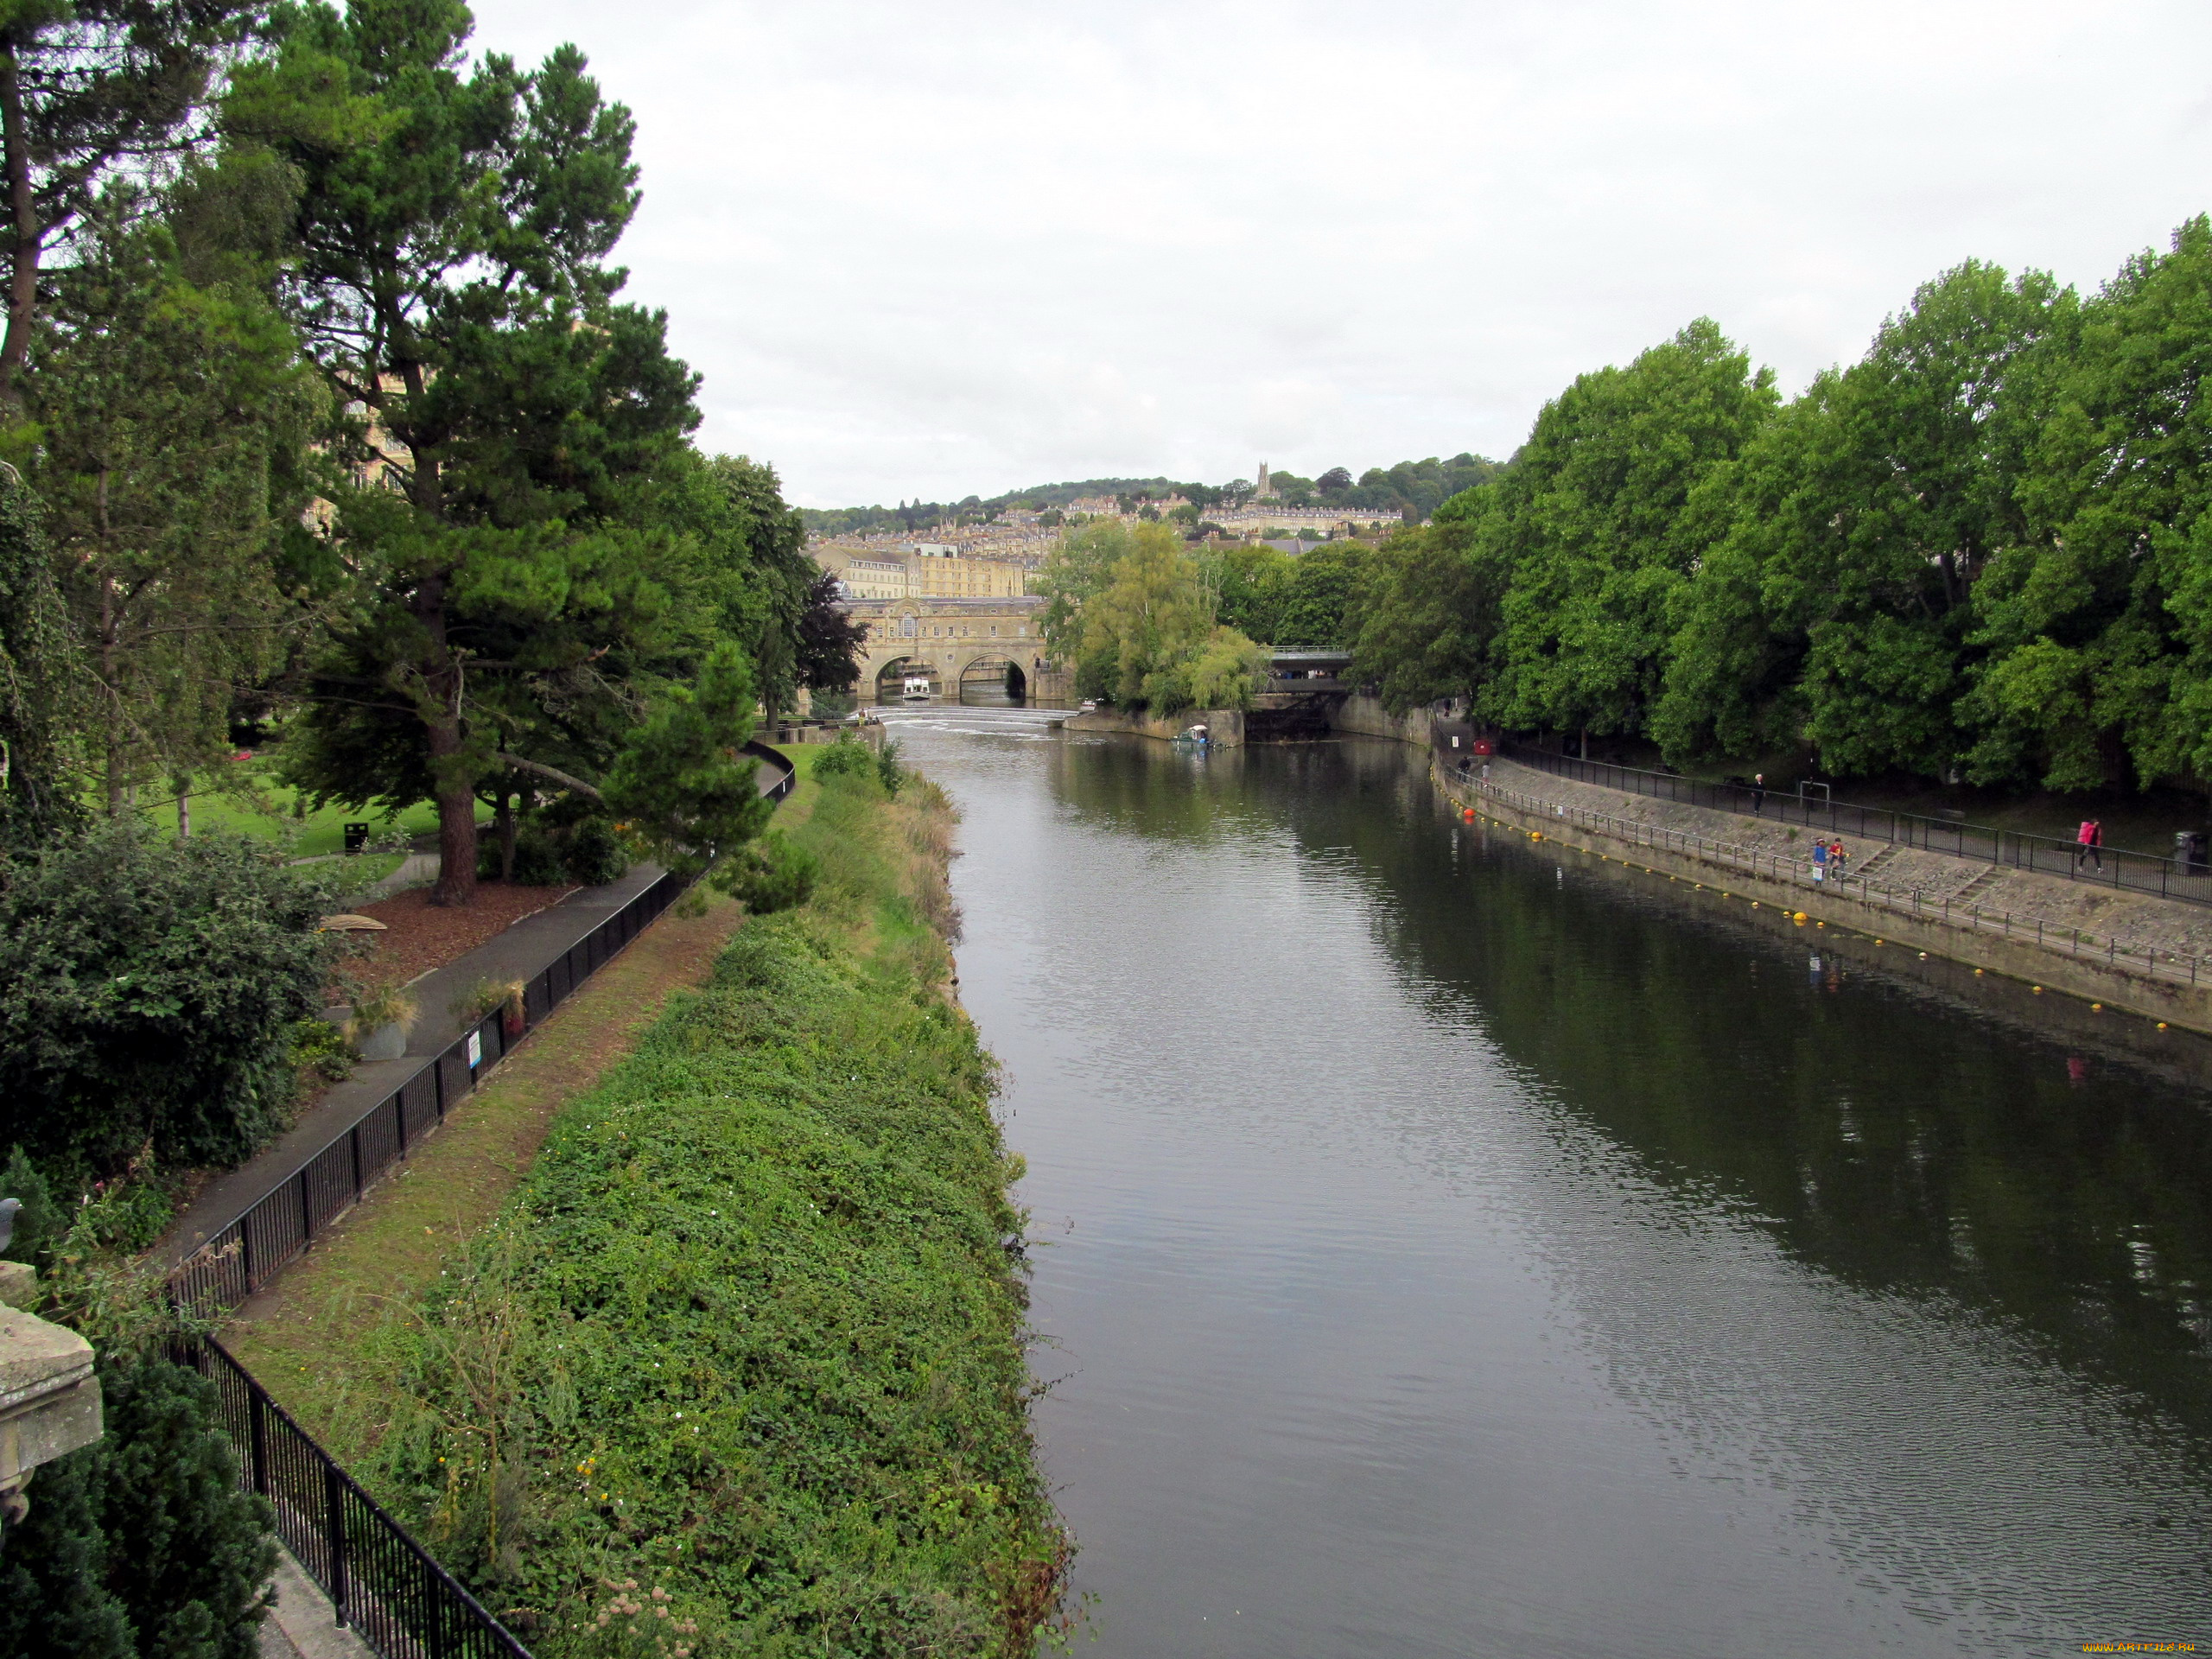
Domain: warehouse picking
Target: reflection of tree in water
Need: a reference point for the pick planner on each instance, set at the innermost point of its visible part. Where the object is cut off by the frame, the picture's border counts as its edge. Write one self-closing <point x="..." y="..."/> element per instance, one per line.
<point x="1884" y="1133"/>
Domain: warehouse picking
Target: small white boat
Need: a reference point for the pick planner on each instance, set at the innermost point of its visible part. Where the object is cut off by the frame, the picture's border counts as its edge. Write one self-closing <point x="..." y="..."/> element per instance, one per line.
<point x="917" y="689"/>
<point x="1197" y="736"/>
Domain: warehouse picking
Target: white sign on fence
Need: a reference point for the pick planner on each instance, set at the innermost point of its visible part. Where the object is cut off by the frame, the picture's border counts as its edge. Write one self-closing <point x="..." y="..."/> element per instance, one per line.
<point x="475" y="1049"/>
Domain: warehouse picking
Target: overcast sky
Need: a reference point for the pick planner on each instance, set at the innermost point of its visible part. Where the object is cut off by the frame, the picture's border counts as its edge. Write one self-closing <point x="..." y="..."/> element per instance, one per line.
<point x="926" y="251"/>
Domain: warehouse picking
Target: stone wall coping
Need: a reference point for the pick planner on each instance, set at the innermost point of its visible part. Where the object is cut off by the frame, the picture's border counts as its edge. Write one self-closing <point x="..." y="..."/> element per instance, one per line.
<point x="37" y="1359"/>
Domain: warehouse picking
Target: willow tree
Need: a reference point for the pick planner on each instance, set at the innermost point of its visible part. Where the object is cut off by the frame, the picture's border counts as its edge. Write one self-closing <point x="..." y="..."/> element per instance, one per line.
<point x="511" y="422"/>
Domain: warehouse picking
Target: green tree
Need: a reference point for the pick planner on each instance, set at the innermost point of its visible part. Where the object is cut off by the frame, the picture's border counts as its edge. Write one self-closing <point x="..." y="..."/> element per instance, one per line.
<point x="1321" y="598"/>
<point x="685" y="786"/>
<point x="174" y="418"/>
<point x="1862" y="520"/>
<point x="89" y="88"/>
<point x="1134" y="614"/>
<point x="451" y="279"/>
<point x="2097" y="621"/>
<point x="1429" y="626"/>
<point x="40" y="685"/>
<point x="1077" y="569"/>
<point x="1590" y="520"/>
<point x="1249" y="578"/>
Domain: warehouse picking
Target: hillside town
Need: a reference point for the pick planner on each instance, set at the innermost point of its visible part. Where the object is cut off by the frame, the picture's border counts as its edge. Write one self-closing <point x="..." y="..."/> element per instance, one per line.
<point x="1001" y="555"/>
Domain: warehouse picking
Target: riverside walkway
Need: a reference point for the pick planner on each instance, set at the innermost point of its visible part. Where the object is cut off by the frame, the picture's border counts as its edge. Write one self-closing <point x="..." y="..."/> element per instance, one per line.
<point x="2132" y="949"/>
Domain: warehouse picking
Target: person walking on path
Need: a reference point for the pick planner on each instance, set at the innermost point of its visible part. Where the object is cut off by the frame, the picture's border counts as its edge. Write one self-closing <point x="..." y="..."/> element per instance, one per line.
<point x="2090" y="837"/>
<point x="1820" y="860"/>
<point x="1837" y="858"/>
<point x="1758" y="792"/>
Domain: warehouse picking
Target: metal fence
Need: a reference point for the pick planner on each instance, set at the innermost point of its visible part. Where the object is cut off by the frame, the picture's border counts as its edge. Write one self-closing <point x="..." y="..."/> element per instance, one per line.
<point x="382" y="1583"/>
<point x="2168" y="878"/>
<point x="240" y="1257"/>
<point x="1793" y="870"/>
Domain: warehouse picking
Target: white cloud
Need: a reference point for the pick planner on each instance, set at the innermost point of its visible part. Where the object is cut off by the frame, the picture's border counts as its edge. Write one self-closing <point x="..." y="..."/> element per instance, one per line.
<point x="931" y="251"/>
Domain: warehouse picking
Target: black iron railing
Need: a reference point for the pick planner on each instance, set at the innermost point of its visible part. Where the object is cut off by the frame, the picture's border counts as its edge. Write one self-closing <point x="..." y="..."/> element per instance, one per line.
<point x="240" y="1257"/>
<point x="380" y="1582"/>
<point x="2168" y="878"/>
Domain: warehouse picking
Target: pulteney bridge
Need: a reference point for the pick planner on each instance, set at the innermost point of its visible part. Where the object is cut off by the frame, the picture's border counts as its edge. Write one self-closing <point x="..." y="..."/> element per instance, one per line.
<point x="956" y="643"/>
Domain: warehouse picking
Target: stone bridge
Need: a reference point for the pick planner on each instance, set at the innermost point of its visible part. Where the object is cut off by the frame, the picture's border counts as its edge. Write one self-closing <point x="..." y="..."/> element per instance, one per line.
<point x="956" y="642"/>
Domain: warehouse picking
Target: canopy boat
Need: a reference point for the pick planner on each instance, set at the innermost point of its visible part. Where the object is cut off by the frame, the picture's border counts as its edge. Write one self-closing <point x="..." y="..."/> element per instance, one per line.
<point x="1197" y="736"/>
<point x="917" y="689"/>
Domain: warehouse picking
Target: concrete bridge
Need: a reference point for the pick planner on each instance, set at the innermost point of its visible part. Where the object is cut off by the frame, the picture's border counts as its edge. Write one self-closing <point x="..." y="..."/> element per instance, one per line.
<point x="1303" y="693"/>
<point x="974" y="643"/>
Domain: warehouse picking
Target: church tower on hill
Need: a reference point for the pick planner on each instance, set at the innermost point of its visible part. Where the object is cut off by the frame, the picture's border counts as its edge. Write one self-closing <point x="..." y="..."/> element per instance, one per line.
<point x="1266" y="489"/>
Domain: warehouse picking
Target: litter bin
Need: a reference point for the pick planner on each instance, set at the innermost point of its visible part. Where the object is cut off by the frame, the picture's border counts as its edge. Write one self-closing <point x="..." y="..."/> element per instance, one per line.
<point x="2188" y="849"/>
<point x="357" y="837"/>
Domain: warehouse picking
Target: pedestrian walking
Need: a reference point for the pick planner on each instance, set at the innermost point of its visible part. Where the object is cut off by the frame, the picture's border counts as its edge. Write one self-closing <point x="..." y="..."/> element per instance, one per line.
<point x="1820" y="860"/>
<point x="2089" y="839"/>
<point x="1837" y="858"/>
<point x="1758" y="792"/>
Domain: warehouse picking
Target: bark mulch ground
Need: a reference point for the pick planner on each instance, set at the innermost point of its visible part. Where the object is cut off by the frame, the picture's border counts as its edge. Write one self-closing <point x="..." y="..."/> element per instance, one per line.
<point x="422" y="936"/>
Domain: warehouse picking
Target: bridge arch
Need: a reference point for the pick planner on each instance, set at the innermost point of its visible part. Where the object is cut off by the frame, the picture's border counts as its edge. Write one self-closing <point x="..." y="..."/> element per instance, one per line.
<point x="955" y="641"/>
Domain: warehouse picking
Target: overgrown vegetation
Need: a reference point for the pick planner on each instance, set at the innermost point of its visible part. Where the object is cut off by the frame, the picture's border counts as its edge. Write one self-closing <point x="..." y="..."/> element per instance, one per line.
<point x="739" y="1371"/>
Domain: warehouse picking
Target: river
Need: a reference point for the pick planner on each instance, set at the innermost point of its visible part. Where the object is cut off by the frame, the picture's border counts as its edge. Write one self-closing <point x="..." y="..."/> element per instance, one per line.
<point x="1446" y="1244"/>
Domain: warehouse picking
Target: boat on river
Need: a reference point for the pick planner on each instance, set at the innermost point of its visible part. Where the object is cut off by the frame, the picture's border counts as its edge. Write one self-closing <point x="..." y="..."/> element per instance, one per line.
<point x="916" y="689"/>
<point x="1196" y="737"/>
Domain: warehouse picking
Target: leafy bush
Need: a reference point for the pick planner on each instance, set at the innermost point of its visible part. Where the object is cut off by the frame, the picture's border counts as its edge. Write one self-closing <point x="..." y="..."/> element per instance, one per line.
<point x="847" y="758"/>
<point x="319" y="1051"/>
<point x="770" y="874"/>
<point x="552" y="850"/>
<point x="148" y="991"/>
<point x="888" y="772"/>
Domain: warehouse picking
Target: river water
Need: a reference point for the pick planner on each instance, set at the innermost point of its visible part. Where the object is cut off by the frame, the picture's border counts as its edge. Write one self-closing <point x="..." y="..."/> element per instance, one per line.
<point x="1446" y="1244"/>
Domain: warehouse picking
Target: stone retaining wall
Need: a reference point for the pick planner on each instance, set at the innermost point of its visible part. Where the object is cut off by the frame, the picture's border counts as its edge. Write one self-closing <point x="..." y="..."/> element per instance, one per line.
<point x="1365" y="716"/>
<point x="1225" y="726"/>
<point x="2138" y="920"/>
<point x="2086" y="975"/>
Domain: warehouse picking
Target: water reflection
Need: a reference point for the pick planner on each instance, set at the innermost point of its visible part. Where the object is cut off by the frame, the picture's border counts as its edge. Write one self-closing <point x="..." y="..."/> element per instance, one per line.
<point x="1456" y="1244"/>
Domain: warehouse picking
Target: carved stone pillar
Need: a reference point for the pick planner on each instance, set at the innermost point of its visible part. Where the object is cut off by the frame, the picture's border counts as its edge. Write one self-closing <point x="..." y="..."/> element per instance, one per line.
<point x="49" y="1400"/>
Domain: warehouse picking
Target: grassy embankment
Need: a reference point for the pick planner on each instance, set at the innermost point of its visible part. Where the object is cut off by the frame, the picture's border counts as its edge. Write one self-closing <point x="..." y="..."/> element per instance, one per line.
<point x="743" y="1352"/>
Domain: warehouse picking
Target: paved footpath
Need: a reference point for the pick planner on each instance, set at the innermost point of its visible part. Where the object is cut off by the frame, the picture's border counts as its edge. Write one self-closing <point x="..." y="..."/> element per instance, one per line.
<point x="521" y="952"/>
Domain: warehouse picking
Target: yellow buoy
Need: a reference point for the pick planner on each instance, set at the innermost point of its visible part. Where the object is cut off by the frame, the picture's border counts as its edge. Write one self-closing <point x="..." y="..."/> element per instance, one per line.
<point x="2096" y="1008"/>
<point x="1877" y="941"/>
<point x="1799" y="917"/>
<point x="2162" y="1025"/>
<point x="2038" y="989"/>
<point x="1924" y="956"/>
<point x="1977" y="973"/>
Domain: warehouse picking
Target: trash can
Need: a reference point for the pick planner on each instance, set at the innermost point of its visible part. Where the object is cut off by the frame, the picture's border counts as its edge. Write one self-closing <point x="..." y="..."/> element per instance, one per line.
<point x="357" y="837"/>
<point x="2188" y="849"/>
